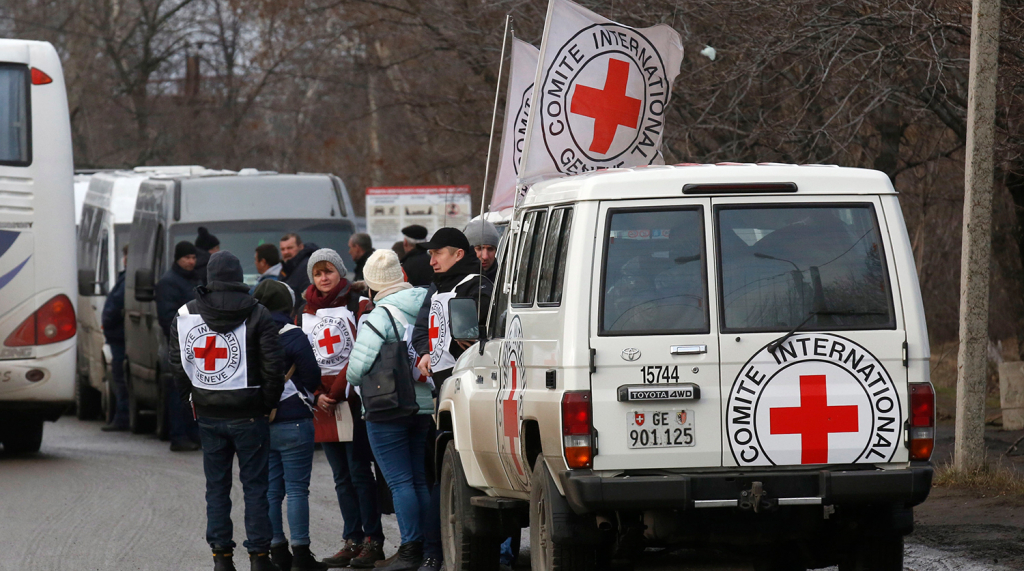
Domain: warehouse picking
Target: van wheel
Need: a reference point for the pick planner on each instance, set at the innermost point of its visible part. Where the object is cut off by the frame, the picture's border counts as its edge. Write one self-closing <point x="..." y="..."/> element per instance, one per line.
<point x="138" y="423"/>
<point x="546" y="554"/>
<point x="162" y="426"/>
<point x="22" y="435"/>
<point x="463" y="551"/>
<point x="88" y="403"/>
<point x="874" y="554"/>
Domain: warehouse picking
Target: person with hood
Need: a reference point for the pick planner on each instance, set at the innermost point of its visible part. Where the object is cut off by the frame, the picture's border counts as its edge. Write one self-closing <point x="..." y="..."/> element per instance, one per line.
<point x="399" y="445"/>
<point x="226" y="358"/>
<point x="329" y="322"/>
<point x="206" y="245"/>
<point x="113" y="332"/>
<point x="295" y="264"/>
<point x="416" y="261"/>
<point x="484" y="237"/>
<point x="175" y="289"/>
<point x="291" y="433"/>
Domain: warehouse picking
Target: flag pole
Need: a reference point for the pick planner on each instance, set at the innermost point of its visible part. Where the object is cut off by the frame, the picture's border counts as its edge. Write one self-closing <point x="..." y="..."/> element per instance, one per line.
<point x="494" y="114"/>
<point x="534" y="102"/>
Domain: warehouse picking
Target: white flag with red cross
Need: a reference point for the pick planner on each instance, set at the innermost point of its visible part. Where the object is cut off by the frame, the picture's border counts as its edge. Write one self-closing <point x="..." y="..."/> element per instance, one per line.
<point x="601" y="94"/>
<point x="517" y="112"/>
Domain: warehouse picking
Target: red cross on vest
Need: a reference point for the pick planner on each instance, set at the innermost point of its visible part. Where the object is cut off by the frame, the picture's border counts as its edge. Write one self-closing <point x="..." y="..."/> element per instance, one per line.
<point x="608" y="107"/>
<point x="210" y="353"/>
<point x="510" y="417"/>
<point x="813" y="420"/>
<point x="328" y="340"/>
<point x="435" y="332"/>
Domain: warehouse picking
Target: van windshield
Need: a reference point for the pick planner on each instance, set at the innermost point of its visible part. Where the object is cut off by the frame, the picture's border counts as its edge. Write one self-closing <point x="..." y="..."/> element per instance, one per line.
<point x="782" y="265"/>
<point x="242" y="237"/>
<point x="14" y="116"/>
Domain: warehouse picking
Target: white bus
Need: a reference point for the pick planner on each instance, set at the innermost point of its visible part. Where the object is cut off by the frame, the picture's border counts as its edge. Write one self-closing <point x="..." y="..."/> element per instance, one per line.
<point x="37" y="237"/>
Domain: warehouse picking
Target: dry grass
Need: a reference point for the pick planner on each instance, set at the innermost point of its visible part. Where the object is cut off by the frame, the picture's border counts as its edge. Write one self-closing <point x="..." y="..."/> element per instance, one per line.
<point x="990" y="480"/>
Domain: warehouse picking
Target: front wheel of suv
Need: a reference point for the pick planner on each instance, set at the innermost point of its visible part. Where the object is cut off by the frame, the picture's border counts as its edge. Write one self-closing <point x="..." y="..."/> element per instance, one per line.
<point x="547" y="553"/>
<point x="463" y="551"/>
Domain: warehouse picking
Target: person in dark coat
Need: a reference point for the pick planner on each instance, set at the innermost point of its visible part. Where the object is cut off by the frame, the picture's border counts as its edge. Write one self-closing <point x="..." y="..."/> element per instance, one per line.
<point x="295" y="259"/>
<point x="416" y="261"/>
<point x="360" y="246"/>
<point x="206" y="245"/>
<point x="291" y="433"/>
<point x="113" y="332"/>
<point x="211" y="337"/>
<point x="484" y="237"/>
<point x="175" y="289"/>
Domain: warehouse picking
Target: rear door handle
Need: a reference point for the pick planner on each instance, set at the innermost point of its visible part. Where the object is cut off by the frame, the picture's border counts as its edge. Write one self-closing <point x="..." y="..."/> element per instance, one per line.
<point x="688" y="349"/>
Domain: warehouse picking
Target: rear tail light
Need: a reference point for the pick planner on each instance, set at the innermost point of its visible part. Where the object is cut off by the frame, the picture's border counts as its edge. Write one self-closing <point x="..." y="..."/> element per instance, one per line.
<point x="51" y="323"/>
<point x="577" y="429"/>
<point x="39" y="77"/>
<point x="922" y="421"/>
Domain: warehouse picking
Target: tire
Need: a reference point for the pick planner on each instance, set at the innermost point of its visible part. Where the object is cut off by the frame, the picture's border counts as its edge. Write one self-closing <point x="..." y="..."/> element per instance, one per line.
<point x="463" y="551"/>
<point x="162" y="426"/>
<point x="138" y="422"/>
<point x="22" y="435"/>
<point x="88" y="403"/>
<point x="874" y="554"/>
<point x="109" y="401"/>
<point x="546" y="554"/>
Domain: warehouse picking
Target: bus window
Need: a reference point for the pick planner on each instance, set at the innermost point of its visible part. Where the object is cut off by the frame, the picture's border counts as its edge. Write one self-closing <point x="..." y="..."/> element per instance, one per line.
<point x="14" y="116"/>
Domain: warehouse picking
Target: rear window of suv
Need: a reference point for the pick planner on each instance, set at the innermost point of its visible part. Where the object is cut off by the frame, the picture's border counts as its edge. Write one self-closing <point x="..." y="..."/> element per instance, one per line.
<point x="822" y="266"/>
<point x="653" y="279"/>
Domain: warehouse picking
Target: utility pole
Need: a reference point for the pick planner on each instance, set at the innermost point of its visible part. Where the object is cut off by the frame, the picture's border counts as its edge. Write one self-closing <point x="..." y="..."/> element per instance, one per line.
<point x="972" y="360"/>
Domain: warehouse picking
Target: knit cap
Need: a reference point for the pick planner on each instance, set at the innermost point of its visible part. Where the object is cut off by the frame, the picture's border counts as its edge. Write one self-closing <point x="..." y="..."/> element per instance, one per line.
<point x="325" y="255"/>
<point x="481" y="233"/>
<point x="382" y="270"/>
<point x="205" y="240"/>
<point x="182" y="249"/>
<point x="275" y="296"/>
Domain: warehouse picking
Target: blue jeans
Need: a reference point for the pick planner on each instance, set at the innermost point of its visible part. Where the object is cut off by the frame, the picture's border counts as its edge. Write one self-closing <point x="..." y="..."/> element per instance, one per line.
<point x="119" y="385"/>
<point x="291" y="462"/>
<point x="222" y="439"/>
<point x="399" y="447"/>
<point x="357" y="492"/>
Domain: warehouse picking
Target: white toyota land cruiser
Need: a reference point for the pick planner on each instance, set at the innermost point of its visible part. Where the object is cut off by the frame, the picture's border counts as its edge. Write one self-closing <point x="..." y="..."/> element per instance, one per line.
<point x="700" y="355"/>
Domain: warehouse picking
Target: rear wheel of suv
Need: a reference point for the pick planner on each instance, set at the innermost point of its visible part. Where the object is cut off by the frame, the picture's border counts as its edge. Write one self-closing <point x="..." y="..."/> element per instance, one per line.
<point x="547" y="553"/>
<point x="874" y="554"/>
<point x="463" y="551"/>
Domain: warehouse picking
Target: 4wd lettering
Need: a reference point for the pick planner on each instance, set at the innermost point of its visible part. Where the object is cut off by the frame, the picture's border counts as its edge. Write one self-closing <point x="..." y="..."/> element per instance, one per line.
<point x="818" y="399"/>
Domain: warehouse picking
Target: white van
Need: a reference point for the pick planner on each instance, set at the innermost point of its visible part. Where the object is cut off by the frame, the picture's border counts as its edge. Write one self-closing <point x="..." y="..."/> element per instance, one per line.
<point x="37" y="225"/>
<point x="726" y="356"/>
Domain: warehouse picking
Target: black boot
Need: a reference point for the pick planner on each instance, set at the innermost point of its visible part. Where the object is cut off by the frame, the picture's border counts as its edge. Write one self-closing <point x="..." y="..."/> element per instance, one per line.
<point x="222" y="560"/>
<point x="409" y="557"/>
<point x="304" y="560"/>
<point x="262" y="562"/>
<point x="281" y="557"/>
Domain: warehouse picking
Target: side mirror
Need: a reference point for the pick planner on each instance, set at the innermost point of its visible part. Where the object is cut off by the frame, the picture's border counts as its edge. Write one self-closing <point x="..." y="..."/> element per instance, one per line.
<point x="145" y="288"/>
<point x="87" y="282"/>
<point x="465" y="325"/>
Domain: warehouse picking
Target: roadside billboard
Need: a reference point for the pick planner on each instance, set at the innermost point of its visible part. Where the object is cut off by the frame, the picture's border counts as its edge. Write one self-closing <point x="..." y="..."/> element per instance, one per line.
<point x="389" y="209"/>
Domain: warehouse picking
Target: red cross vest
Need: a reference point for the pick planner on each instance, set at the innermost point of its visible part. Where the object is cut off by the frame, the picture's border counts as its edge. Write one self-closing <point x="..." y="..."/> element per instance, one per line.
<point x="331" y="333"/>
<point x="213" y="361"/>
<point x="439" y="328"/>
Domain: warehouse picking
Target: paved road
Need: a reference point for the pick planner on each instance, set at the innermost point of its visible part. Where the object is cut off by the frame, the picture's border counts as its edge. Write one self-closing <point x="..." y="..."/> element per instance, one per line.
<point x="97" y="501"/>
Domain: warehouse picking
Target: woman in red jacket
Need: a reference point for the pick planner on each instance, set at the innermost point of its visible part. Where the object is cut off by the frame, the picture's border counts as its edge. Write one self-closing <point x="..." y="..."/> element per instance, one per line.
<point x="329" y="321"/>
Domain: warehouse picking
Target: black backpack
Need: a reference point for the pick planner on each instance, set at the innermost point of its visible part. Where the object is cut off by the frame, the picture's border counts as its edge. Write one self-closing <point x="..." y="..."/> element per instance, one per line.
<point x="388" y="391"/>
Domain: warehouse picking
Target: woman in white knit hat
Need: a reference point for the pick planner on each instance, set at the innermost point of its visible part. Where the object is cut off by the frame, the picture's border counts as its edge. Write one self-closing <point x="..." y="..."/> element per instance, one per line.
<point x="399" y="445"/>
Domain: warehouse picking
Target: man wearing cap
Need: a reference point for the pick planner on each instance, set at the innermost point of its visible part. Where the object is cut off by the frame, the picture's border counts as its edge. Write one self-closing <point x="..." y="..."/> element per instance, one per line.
<point x="175" y="289"/>
<point x="206" y="245"/>
<point x="416" y="261"/>
<point x="483" y="236"/>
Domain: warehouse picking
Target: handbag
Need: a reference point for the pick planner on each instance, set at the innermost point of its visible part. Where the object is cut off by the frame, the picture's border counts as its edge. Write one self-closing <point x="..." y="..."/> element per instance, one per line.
<point x="388" y="389"/>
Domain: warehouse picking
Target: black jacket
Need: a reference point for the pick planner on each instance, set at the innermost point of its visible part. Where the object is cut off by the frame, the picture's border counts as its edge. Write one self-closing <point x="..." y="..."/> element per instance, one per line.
<point x="113" y="313"/>
<point x="417" y="267"/>
<point x="224" y="306"/>
<point x="175" y="289"/>
<point x="298" y="352"/>
<point x="294" y="273"/>
<point x="202" y="259"/>
<point x="476" y="289"/>
<point x="360" y="264"/>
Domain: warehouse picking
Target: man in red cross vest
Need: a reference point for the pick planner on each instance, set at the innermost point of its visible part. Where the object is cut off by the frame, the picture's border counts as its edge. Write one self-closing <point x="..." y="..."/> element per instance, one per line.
<point x="226" y="359"/>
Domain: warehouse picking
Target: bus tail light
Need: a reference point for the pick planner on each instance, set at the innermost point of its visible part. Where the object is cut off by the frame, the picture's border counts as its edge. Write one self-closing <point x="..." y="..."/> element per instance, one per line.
<point x="577" y="429"/>
<point x="39" y="77"/>
<point x="922" y="421"/>
<point x="51" y="323"/>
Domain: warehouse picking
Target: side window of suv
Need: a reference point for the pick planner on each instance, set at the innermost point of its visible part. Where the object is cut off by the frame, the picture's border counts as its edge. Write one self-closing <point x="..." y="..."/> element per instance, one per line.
<point x="532" y="239"/>
<point x="556" y="247"/>
<point x="499" y="300"/>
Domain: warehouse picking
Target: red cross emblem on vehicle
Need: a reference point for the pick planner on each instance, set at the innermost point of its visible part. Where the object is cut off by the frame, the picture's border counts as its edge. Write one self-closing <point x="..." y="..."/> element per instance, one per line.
<point x="210" y="353"/>
<point x="435" y="332"/>
<point x="813" y="420"/>
<point x="510" y="415"/>
<point x="329" y="340"/>
<point x="609" y="107"/>
<point x="638" y="418"/>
